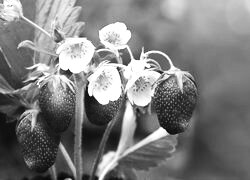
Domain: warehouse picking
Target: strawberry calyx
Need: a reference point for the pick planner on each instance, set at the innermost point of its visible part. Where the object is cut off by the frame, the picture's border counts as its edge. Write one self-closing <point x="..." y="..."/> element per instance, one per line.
<point x="39" y="72"/>
<point x="33" y="113"/>
<point x="178" y="73"/>
<point x="55" y="81"/>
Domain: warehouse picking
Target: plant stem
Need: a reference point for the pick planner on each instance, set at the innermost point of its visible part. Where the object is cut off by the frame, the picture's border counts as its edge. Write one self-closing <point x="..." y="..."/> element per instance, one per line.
<point x="35" y="26"/>
<point x="101" y="148"/>
<point x="104" y="50"/>
<point x="68" y="159"/>
<point x="105" y="138"/>
<point x="164" y="55"/>
<point x="130" y="52"/>
<point x="53" y="174"/>
<point x="118" y="57"/>
<point x="79" y="115"/>
<point x="128" y="129"/>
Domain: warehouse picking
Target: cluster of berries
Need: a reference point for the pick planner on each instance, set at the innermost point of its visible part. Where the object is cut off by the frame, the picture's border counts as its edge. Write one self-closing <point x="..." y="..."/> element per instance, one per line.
<point x="39" y="132"/>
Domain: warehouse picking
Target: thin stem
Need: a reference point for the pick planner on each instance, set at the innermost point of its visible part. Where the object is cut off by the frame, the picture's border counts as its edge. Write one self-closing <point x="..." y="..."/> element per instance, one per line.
<point x="101" y="148"/>
<point x="164" y="55"/>
<point x="118" y="57"/>
<point x="53" y="174"/>
<point x="130" y="52"/>
<point x="79" y="115"/>
<point x="105" y="138"/>
<point x="104" y="50"/>
<point x="68" y="159"/>
<point x="35" y="26"/>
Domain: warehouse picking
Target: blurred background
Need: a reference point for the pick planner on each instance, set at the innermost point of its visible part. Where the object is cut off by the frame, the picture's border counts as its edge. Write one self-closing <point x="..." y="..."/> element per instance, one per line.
<point x="210" y="39"/>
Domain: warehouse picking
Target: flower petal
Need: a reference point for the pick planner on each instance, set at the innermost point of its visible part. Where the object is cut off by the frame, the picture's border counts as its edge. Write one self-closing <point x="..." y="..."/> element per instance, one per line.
<point x="105" y="84"/>
<point x="76" y="65"/>
<point x="11" y="10"/>
<point x="76" y="54"/>
<point x="64" y="59"/>
<point x="100" y="97"/>
<point x="115" y="36"/>
<point x="141" y="91"/>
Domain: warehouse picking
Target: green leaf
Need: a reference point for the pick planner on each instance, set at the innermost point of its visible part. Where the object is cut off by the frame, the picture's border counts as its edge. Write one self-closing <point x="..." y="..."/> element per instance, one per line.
<point x="12" y="111"/>
<point x="5" y="87"/>
<point x="67" y="15"/>
<point x="149" y="152"/>
<point x="15" y="60"/>
<point x="151" y="155"/>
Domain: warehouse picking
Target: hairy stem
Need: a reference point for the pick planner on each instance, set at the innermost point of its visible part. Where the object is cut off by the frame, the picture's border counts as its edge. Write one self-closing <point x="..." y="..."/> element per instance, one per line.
<point x="53" y="174"/>
<point x="105" y="138"/>
<point x="35" y="26"/>
<point x="68" y="159"/>
<point x="130" y="52"/>
<point x="128" y="129"/>
<point x="79" y="115"/>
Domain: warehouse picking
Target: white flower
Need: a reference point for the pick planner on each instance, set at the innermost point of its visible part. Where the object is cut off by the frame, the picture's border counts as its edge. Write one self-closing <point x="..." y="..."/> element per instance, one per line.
<point x="115" y="36"/>
<point x="140" y="80"/>
<point x="105" y="84"/>
<point x="75" y="54"/>
<point x="11" y="10"/>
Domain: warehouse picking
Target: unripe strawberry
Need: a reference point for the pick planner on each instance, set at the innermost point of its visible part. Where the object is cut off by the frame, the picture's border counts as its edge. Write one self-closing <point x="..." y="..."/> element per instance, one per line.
<point x="99" y="114"/>
<point x="174" y="101"/>
<point x="57" y="102"/>
<point x="39" y="146"/>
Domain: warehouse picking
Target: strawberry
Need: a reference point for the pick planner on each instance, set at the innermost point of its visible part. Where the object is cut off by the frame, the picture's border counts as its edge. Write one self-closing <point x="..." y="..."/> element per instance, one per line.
<point x="99" y="114"/>
<point x="57" y="102"/>
<point x="39" y="144"/>
<point x="174" y="100"/>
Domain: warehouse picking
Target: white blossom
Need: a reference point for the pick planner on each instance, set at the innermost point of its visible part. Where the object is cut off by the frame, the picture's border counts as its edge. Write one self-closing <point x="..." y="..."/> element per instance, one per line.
<point x="140" y="81"/>
<point x="115" y="36"/>
<point x="11" y="10"/>
<point x="75" y="54"/>
<point x="105" y="84"/>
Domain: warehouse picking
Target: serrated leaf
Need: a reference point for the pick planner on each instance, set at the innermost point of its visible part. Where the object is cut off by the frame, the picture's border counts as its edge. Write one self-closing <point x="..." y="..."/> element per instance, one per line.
<point x="149" y="152"/>
<point x="67" y="15"/>
<point x="151" y="155"/>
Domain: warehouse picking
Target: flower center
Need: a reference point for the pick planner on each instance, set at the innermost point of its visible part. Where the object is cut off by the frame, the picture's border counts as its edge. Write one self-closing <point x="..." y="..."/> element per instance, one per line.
<point x="104" y="80"/>
<point x="141" y="84"/>
<point x="113" y="38"/>
<point x="77" y="50"/>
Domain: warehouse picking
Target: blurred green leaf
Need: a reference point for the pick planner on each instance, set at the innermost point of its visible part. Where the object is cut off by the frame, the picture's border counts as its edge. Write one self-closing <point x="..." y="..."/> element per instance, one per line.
<point x="5" y="87"/>
<point x="10" y="37"/>
<point x="12" y="111"/>
<point x="151" y="155"/>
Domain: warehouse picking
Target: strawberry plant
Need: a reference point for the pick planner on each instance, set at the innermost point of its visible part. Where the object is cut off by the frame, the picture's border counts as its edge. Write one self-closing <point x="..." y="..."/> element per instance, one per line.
<point x="69" y="77"/>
